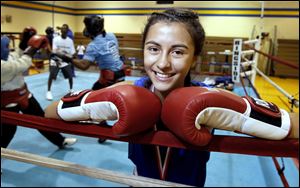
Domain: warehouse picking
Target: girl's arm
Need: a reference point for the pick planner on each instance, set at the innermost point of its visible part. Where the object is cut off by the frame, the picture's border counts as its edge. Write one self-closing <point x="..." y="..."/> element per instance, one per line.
<point x="51" y="111"/>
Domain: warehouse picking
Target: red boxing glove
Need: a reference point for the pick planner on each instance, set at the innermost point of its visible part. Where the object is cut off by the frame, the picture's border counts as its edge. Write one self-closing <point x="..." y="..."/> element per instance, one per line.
<point x="198" y="108"/>
<point x="27" y="33"/>
<point x="38" y="41"/>
<point x="135" y="109"/>
<point x="179" y="112"/>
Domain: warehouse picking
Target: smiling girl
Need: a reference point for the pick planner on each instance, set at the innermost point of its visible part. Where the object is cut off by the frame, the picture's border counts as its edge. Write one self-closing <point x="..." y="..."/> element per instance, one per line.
<point x="172" y="40"/>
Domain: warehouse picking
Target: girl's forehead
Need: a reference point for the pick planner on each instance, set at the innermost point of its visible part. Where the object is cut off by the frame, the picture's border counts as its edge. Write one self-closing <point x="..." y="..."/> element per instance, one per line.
<point x="174" y="30"/>
<point x="167" y="24"/>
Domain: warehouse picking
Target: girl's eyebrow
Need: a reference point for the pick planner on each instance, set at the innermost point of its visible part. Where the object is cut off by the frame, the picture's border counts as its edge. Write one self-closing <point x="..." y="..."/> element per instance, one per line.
<point x="152" y="42"/>
<point x="173" y="46"/>
<point x="180" y="46"/>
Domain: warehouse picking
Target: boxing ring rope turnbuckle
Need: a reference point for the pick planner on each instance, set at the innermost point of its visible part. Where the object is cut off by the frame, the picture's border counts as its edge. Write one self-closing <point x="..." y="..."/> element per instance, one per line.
<point x="131" y="180"/>
<point x="219" y="143"/>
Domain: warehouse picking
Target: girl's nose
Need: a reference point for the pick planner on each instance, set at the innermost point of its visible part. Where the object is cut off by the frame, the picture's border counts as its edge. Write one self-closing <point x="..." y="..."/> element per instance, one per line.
<point x="163" y="62"/>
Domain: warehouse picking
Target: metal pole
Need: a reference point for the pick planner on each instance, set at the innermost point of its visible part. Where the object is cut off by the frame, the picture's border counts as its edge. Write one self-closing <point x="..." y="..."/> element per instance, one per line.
<point x="279" y="88"/>
<point x="53" y="4"/>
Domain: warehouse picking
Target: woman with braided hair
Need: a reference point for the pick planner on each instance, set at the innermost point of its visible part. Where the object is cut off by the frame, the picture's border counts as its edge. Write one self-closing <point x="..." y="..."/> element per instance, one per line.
<point x="178" y="34"/>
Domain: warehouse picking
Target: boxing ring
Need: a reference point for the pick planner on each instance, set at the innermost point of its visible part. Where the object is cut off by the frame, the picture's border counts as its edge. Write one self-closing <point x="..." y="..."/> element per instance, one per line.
<point x="220" y="143"/>
<point x="253" y="64"/>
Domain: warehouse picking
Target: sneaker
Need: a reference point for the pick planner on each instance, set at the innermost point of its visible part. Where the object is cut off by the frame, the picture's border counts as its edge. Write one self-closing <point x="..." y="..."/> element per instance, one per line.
<point x="101" y="140"/>
<point x="71" y="91"/>
<point x="69" y="141"/>
<point x="49" y="96"/>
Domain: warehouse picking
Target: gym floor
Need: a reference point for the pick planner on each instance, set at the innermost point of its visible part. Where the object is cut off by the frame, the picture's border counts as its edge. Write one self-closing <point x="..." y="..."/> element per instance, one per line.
<point x="224" y="170"/>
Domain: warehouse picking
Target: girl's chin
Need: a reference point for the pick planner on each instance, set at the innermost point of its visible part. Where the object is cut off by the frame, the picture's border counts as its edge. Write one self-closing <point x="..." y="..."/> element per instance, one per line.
<point x="162" y="87"/>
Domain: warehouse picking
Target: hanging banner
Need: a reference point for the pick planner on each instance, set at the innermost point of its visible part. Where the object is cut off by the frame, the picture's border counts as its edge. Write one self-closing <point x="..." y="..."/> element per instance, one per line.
<point x="236" y="59"/>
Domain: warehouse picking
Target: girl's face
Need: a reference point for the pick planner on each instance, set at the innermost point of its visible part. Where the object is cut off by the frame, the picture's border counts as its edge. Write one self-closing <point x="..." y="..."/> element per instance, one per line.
<point x="168" y="55"/>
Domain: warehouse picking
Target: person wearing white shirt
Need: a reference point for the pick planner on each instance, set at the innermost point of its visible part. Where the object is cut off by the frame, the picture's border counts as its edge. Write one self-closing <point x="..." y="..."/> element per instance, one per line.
<point x="63" y="51"/>
<point x="80" y="51"/>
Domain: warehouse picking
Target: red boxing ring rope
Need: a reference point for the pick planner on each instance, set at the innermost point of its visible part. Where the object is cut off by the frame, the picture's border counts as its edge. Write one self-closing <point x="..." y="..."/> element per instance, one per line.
<point x="273" y="58"/>
<point x="219" y="143"/>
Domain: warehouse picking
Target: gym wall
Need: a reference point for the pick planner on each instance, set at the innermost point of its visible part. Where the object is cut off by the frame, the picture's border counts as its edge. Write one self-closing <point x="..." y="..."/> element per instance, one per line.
<point x="219" y="18"/>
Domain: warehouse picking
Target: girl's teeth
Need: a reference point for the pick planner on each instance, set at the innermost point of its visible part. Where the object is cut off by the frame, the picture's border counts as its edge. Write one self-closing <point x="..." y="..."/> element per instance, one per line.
<point x="163" y="75"/>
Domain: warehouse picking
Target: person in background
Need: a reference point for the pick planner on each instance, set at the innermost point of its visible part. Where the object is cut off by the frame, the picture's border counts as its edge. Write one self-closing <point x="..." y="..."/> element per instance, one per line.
<point x="71" y="36"/>
<point x="15" y="96"/>
<point x="104" y="50"/>
<point x="69" y="31"/>
<point x="62" y="47"/>
<point x="80" y="50"/>
<point x="50" y="35"/>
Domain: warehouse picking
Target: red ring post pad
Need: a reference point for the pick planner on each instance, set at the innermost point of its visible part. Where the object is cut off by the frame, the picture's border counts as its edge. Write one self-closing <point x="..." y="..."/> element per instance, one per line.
<point x="218" y="143"/>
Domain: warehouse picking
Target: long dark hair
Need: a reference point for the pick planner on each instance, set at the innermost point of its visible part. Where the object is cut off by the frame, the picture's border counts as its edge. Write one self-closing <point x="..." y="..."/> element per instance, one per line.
<point x="189" y="19"/>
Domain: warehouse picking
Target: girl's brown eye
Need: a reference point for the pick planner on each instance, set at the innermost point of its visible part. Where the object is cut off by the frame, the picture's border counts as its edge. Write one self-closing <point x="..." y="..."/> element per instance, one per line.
<point x="152" y="49"/>
<point x="177" y="53"/>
